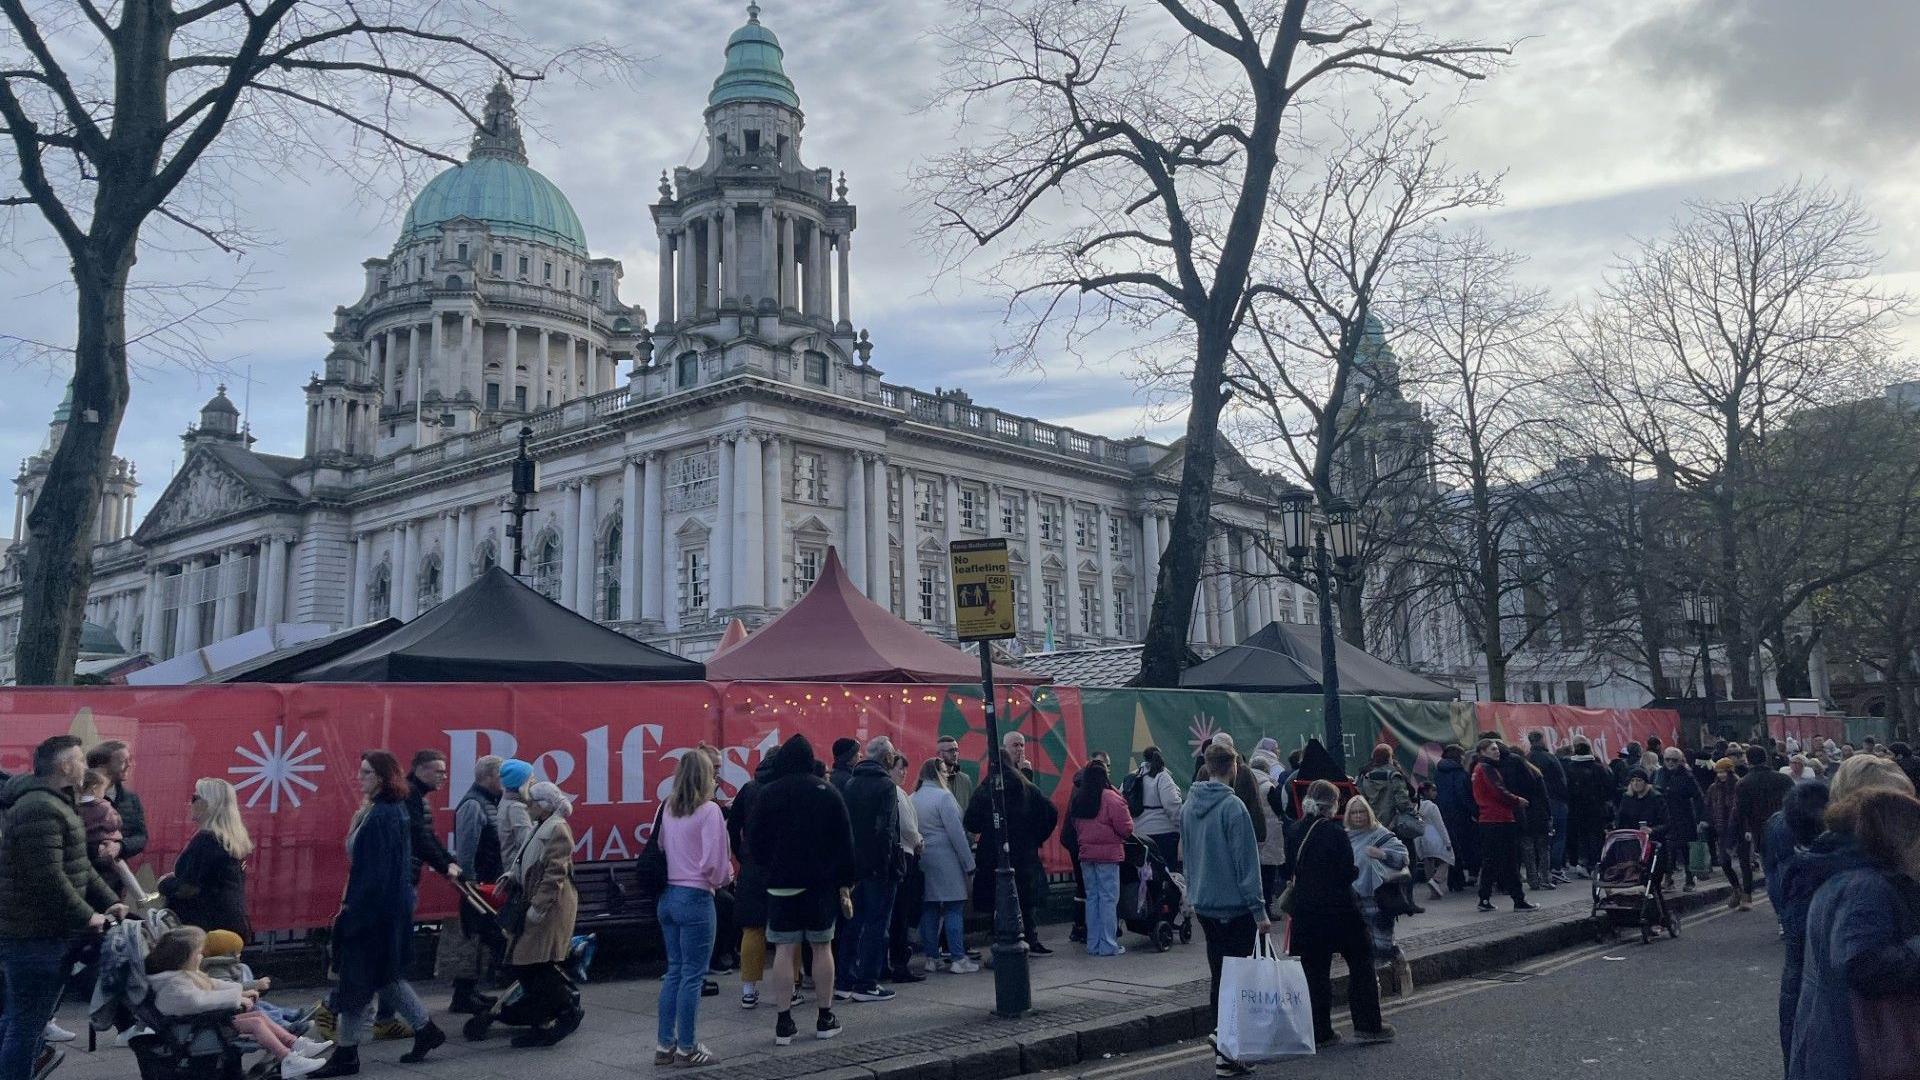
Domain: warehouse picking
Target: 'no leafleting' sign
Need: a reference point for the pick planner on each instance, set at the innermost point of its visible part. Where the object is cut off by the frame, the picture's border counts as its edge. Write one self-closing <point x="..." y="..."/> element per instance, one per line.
<point x="982" y="590"/>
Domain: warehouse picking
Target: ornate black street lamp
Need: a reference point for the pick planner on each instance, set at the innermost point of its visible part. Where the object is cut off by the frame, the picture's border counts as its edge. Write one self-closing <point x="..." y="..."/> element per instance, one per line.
<point x="1327" y="549"/>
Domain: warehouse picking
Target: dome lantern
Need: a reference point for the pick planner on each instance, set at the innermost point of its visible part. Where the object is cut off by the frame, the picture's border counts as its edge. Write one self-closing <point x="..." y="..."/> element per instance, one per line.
<point x="754" y="70"/>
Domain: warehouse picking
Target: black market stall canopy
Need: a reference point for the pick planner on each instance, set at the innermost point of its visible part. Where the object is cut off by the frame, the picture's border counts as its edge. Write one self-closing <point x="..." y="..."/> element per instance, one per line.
<point x="1284" y="658"/>
<point x="499" y="629"/>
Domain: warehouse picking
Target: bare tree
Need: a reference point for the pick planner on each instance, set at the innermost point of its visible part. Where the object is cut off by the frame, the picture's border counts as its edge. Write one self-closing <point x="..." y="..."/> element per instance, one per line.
<point x="1121" y="155"/>
<point x="1318" y="386"/>
<point x="1491" y="544"/>
<point x="133" y="114"/>
<point x="1711" y="336"/>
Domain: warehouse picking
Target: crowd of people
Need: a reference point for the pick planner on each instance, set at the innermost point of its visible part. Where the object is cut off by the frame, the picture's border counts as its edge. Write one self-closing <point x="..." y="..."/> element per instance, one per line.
<point x="818" y="876"/>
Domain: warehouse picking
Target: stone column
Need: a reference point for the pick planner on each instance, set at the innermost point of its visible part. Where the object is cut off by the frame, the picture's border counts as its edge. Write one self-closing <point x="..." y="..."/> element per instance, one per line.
<point x="226" y="607"/>
<point x="909" y="542"/>
<point x="186" y="630"/>
<point x="150" y="614"/>
<point x="666" y="278"/>
<point x="587" y="600"/>
<point x="730" y="214"/>
<point x="1109" y="626"/>
<point x="469" y="367"/>
<point x="570" y="539"/>
<point x="630" y="539"/>
<point x="879" y="553"/>
<point x="843" y="241"/>
<point x="438" y="378"/>
<point x="1070" y="585"/>
<point x="413" y="392"/>
<point x="687" y="304"/>
<point x="720" y="546"/>
<point x="653" y="567"/>
<point x="767" y="261"/>
<point x="750" y="535"/>
<point x="569" y="373"/>
<point x="390" y="369"/>
<point x="950" y="492"/>
<point x="787" y="262"/>
<point x="711" y="300"/>
<point x="279" y="549"/>
<point x="1197" y="625"/>
<point x="774" y="541"/>
<point x="261" y="559"/>
<point x="406" y="593"/>
<point x="1222" y="548"/>
<point x="856" y="559"/>
<point x="541" y="360"/>
<point x="513" y="369"/>
<point x="362" y="577"/>
<point x="449" y="552"/>
<point x="1036" y="551"/>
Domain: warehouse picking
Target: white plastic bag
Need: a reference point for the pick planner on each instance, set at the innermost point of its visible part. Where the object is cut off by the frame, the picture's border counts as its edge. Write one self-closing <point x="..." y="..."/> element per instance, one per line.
<point x="1264" y="1009"/>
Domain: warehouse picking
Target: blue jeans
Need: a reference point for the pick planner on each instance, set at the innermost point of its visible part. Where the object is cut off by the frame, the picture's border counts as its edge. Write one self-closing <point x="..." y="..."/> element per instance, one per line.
<point x="36" y="972"/>
<point x="935" y="914"/>
<point x="687" y="926"/>
<point x="397" y="997"/>
<point x="1559" y="811"/>
<point x="867" y="932"/>
<point x="1103" y="898"/>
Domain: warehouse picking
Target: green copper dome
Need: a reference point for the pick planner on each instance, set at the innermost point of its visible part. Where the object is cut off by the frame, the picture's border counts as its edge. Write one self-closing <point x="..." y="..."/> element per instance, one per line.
<point x="754" y="71"/>
<point x="496" y="186"/>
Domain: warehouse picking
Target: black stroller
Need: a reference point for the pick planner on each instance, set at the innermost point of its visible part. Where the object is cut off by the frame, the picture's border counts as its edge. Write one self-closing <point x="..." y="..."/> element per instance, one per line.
<point x="512" y="1009"/>
<point x="1627" y="888"/>
<point x="1152" y="896"/>
<point x="203" y="1047"/>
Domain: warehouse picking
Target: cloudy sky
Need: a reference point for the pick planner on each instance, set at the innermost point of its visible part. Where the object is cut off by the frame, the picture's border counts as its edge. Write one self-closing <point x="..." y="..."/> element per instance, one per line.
<point x="1609" y="119"/>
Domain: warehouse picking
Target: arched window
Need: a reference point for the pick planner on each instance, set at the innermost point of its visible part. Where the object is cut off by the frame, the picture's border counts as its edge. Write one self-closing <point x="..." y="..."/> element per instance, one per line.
<point x="380" y="593"/>
<point x="453" y="281"/>
<point x="546" y="567"/>
<point x="427" y="591"/>
<point x="609" y="571"/>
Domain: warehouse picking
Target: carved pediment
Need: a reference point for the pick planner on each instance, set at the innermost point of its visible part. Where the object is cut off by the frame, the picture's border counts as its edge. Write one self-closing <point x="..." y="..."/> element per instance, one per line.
<point x="205" y="491"/>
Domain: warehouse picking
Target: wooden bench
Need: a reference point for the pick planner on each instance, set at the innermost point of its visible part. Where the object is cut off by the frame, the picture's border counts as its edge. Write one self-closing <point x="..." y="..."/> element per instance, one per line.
<point x="611" y="896"/>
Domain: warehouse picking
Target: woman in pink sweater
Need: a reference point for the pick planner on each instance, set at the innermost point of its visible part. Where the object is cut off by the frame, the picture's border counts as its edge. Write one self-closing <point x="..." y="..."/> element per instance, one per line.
<point x="694" y="836"/>
<point x="1101" y="825"/>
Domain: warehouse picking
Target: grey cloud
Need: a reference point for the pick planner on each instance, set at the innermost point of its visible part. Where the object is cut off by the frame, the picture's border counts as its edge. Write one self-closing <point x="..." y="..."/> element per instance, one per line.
<point x="1841" y="74"/>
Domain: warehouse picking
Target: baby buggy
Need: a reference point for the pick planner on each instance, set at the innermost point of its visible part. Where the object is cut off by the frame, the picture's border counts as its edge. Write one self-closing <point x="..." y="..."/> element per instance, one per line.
<point x="1627" y="890"/>
<point x="203" y="1047"/>
<point x="1152" y="896"/>
<point x="514" y="1009"/>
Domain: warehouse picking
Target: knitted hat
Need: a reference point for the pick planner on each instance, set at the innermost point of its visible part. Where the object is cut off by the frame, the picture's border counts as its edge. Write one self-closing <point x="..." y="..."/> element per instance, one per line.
<point x="1636" y="773"/>
<point x="1724" y="763"/>
<point x="223" y="943"/>
<point x="514" y="774"/>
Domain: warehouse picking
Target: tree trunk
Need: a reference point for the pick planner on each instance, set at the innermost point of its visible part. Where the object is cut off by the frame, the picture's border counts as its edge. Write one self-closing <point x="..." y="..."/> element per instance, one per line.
<point x="58" y="569"/>
<point x="1166" y="637"/>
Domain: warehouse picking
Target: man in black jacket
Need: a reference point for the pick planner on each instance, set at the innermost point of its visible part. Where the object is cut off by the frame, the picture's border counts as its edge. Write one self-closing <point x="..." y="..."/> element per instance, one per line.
<point x="797" y="830"/>
<point x="50" y="895"/>
<point x="427" y="775"/>
<point x="462" y="953"/>
<point x="1686" y="809"/>
<point x="844" y="751"/>
<point x="873" y="812"/>
<point x="1554" y="775"/>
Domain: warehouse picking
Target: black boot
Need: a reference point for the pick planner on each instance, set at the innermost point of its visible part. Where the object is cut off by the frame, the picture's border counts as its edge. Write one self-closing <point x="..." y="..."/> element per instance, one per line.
<point x="344" y="1062"/>
<point x="467" y="999"/>
<point x="424" y="1042"/>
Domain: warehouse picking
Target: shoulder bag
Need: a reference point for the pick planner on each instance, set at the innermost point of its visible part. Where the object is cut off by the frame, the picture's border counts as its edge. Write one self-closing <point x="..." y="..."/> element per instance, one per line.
<point x="651" y="864"/>
<point x="1285" y="901"/>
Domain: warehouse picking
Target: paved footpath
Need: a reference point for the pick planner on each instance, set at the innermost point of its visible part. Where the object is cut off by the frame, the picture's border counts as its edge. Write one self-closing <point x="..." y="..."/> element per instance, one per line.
<point x="1085" y="1009"/>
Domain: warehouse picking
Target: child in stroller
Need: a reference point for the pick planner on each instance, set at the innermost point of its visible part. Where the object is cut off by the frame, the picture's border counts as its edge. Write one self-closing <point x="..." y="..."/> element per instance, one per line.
<point x="1152" y="896"/>
<point x="181" y="991"/>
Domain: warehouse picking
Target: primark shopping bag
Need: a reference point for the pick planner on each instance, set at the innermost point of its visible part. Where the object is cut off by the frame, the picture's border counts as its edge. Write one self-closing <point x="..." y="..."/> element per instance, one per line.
<point x="1264" y="1009"/>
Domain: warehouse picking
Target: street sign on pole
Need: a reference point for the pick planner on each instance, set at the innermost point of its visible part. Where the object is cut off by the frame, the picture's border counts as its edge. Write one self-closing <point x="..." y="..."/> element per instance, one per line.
<point x="983" y="613"/>
<point x="982" y="590"/>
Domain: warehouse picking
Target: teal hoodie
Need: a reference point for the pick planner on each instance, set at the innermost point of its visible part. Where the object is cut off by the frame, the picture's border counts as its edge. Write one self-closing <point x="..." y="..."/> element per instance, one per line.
<point x="1223" y="862"/>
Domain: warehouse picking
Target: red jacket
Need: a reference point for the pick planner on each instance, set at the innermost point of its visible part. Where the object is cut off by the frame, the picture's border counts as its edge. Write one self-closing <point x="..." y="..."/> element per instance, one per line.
<point x="1101" y="835"/>
<point x="1497" y="805"/>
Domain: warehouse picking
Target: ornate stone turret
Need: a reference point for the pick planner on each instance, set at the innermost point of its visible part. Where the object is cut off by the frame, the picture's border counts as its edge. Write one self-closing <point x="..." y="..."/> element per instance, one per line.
<point x="114" y="519"/>
<point x="755" y="267"/>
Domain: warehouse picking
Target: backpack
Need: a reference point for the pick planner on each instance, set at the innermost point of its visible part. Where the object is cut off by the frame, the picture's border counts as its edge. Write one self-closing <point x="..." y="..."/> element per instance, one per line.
<point x="1134" y="790"/>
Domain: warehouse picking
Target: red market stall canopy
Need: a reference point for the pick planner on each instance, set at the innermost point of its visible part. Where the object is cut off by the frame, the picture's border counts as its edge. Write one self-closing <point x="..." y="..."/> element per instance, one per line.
<point x="499" y="629"/>
<point x="1284" y="658"/>
<point x="834" y="634"/>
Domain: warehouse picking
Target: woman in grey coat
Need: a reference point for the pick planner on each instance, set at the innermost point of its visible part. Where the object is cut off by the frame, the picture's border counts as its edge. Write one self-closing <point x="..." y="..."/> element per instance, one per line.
<point x="945" y="861"/>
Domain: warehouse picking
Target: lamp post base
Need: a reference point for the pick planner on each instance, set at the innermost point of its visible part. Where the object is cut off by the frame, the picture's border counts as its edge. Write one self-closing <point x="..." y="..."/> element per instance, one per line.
<point x="1012" y="989"/>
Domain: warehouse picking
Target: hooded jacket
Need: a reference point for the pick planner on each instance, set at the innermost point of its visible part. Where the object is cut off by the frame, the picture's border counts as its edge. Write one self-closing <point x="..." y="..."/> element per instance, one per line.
<point x="750" y="888"/>
<point x="1830" y="855"/>
<point x="1860" y="944"/>
<point x="1589" y="786"/>
<point x="799" y="828"/>
<point x="48" y="886"/>
<point x="1030" y="821"/>
<point x="1222" y="859"/>
<point x="873" y="811"/>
